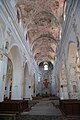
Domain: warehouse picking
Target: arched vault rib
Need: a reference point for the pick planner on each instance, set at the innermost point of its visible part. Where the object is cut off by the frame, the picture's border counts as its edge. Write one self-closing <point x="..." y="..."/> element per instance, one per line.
<point x="41" y="50"/>
<point x="44" y="56"/>
<point x="39" y="53"/>
<point x="37" y="33"/>
<point x="43" y="18"/>
<point x="44" y="59"/>
<point x="46" y="38"/>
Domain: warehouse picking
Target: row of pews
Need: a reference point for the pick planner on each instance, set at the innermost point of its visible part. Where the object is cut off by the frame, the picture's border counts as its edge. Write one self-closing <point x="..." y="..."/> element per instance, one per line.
<point x="11" y="109"/>
<point x="13" y="106"/>
<point x="70" y="107"/>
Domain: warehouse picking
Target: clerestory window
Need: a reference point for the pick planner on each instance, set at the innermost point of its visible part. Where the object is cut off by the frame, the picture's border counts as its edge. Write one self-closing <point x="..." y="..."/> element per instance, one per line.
<point x="45" y="67"/>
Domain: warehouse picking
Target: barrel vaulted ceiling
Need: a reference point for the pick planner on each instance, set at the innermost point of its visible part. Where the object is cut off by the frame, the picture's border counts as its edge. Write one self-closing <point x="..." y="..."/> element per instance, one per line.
<point x="42" y="19"/>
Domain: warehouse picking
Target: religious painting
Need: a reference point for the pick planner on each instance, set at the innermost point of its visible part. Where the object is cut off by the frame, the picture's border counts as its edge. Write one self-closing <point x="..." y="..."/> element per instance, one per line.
<point x="45" y="82"/>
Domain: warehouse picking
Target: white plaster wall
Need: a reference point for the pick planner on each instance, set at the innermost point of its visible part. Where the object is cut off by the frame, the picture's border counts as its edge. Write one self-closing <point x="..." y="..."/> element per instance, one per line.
<point x="1" y="82"/>
<point x="54" y="89"/>
<point x="28" y="89"/>
<point x="36" y="82"/>
<point x="3" y="67"/>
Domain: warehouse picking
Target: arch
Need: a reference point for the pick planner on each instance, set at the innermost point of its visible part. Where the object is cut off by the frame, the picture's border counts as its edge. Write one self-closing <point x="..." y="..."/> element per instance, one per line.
<point x="44" y="59"/>
<point x="37" y="50"/>
<point x="15" y="56"/>
<point x="45" y="37"/>
<point x="27" y="83"/>
<point x="11" y="46"/>
<point x="73" y="76"/>
<point x="41" y="16"/>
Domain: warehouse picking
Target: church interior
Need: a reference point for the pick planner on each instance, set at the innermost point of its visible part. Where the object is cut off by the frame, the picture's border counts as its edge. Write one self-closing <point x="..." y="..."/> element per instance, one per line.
<point x="40" y="59"/>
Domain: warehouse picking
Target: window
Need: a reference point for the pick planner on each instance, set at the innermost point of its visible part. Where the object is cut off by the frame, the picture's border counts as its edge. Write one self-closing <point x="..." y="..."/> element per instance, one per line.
<point x="45" y="67"/>
<point x="38" y="78"/>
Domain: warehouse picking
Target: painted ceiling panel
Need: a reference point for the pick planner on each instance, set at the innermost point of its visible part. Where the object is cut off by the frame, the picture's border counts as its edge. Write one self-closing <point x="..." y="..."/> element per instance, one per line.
<point x="42" y="19"/>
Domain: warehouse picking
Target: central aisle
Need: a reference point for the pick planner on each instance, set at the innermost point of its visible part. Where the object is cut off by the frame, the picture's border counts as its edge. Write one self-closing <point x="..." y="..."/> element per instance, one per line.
<point x="44" y="107"/>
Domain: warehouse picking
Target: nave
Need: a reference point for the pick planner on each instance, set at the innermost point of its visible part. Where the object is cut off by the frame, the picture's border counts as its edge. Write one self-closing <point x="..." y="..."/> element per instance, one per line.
<point x="39" y="57"/>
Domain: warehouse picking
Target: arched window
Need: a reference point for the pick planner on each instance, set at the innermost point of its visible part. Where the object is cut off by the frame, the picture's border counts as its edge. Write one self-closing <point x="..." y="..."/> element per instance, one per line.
<point x="45" y="66"/>
<point x="38" y="78"/>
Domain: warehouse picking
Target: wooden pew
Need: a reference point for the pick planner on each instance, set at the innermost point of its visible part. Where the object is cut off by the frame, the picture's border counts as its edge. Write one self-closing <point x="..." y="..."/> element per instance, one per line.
<point x="70" y="107"/>
<point x="8" y="116"/>
<point x="13" y="106"/>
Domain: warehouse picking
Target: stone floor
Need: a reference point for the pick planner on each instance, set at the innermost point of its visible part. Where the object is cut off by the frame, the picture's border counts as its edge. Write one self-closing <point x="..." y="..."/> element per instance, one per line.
<point x="44" y="107"/>
<point x="39" y="117"/>
<point x="45" y="110"/>
<point x="43" y="117"/>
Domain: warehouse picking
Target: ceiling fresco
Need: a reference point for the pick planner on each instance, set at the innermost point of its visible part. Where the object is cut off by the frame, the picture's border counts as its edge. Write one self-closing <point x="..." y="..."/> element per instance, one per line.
<point x="42" y="19"/>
